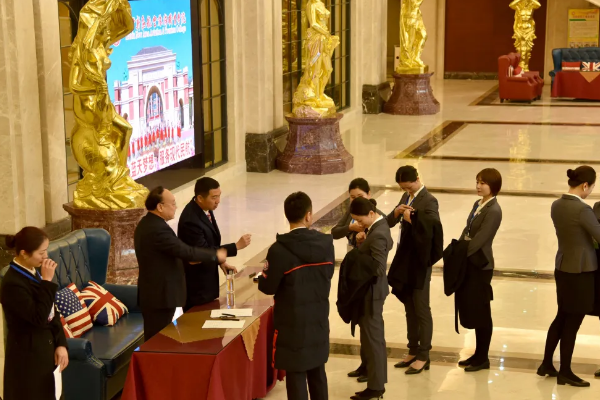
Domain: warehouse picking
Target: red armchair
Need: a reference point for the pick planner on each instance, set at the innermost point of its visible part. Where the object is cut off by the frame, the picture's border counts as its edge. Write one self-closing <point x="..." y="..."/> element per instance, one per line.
<point x="522" y="88"/>
<point x="534" y="74"/>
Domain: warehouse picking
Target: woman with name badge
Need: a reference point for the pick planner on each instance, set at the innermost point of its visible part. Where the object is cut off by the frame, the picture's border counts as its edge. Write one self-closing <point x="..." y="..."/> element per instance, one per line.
<point x="475" y="295"/>
<point x="348" y="228"/>
<point x="35" y="343"/>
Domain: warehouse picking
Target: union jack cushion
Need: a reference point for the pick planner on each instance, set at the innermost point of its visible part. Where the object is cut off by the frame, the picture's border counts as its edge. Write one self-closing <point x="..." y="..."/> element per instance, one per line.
<point x="590" y="66"/>
<point x="105" y="308"/>
<point x="74" y="310"/>
<point x="68" y="333"/>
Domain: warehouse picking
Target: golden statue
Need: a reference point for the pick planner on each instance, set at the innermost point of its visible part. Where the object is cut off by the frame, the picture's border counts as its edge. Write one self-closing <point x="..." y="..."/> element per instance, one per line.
<point x="100" y="138"/>
<point x="524" y="28"/>
<point x="310" y="100"/>
<point x="412" y="38"/>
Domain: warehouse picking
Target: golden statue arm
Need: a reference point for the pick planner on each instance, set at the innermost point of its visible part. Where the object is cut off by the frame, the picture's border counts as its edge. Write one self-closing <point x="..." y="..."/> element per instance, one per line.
<point x="313" y="23"/>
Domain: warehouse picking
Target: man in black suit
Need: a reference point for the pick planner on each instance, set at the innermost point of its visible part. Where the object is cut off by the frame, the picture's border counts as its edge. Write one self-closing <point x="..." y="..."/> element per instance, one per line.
<point x="161" y="284"/>
<point x="198" y="227"/>
<point x="298" y="272"/>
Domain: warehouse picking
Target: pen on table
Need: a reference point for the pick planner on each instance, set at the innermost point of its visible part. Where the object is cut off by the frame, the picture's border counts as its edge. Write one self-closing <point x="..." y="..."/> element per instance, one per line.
<point x="228" y="315"/>
<point x="223" y="318"/>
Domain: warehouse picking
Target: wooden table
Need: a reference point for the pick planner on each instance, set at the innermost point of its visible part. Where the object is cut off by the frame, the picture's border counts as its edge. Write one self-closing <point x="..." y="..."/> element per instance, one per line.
<point x="186" y="362"/>
<point x="577" y="85"/>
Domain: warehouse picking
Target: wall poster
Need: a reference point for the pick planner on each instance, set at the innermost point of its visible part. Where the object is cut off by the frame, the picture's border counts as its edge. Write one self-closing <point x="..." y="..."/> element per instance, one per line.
<point x="584" y="25"/>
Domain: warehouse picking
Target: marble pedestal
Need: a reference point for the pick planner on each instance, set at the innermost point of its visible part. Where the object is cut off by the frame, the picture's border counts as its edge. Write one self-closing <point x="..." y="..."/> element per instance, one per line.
<point x="315" y="147"/>
<point x="412" y="95"/>
<point x="122" y="263"/>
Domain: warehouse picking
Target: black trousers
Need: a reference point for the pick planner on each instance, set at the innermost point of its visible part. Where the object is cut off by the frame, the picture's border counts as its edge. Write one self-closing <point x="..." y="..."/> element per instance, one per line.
<point x="483" y="338"/>
<point x="564" y="329"/>
<point x="295" y="384"/>
<point x="155" y="320"/>
<point x="419" y="322"/>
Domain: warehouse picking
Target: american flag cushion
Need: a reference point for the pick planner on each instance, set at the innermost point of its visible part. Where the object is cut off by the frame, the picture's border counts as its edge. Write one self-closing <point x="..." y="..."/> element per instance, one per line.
<point x="590" y="66"/>
<point x="74" y="310"/>
<point x="68" y="333"/>
<point x="105" y="308"/>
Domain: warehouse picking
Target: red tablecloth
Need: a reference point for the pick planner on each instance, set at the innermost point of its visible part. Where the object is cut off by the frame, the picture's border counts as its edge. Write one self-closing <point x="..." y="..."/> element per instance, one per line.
<point x="212" y="369"/>
<point x="574" y="85"/>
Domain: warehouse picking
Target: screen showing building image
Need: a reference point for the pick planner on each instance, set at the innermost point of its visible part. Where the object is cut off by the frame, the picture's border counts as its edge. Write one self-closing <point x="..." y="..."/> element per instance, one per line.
<point x="151" y="85"/>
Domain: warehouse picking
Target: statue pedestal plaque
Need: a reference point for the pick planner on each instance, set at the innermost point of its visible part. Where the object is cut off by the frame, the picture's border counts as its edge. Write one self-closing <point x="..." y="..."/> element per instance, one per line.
<point x="315" y="147"/>
<point x="122" y="263"/>
<point x="412" y="95"/>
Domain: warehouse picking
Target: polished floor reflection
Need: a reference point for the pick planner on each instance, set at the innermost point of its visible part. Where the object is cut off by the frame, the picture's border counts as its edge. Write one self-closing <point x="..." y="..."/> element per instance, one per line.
<point x="532" y="147"/>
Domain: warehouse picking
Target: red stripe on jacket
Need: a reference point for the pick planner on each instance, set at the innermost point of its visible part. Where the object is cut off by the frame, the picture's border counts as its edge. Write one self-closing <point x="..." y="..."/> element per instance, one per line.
<point x="307" y="265"/>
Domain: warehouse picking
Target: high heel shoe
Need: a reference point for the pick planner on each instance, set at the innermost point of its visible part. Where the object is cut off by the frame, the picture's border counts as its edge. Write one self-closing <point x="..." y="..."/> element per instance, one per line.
<point x="405" y="364"/>
<point x="413" y="371"/>
<point x="475" y="368"/>
<point x="544" y="370"/>
<point x="368" y="394"/>
<point x="577" y="382"/>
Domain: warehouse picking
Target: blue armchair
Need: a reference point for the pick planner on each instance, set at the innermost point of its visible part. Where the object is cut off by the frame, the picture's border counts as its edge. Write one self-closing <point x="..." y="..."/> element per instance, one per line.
<point x="99" y="360"/>
<point x="582" y="54"/>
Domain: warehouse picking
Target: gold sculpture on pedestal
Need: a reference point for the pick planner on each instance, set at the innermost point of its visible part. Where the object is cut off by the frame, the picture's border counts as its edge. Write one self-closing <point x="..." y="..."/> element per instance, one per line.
<point x="100" y="138"/>
<point x="310" y="100"/>
<point x="413" y="36"/>
<point x="524" y="28"/>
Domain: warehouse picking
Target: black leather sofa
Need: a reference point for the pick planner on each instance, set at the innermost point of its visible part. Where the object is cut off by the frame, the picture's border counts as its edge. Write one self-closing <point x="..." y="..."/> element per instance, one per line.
<point x="99" y="360"/>
<point x="583" y="54"/>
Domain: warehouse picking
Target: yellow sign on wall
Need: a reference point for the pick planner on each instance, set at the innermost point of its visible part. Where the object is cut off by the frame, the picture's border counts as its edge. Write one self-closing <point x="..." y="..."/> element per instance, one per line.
<point x="584" y="26"/>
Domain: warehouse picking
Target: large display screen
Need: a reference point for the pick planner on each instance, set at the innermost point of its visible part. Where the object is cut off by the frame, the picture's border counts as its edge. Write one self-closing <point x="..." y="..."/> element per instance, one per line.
<point x="151" y="84"/>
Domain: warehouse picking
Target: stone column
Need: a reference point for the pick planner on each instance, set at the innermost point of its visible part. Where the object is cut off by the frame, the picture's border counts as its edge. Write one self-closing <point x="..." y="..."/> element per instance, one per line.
<point x="52" y="121"/>
<point x="21" y="156"/>
<point x="371" y="17"/>
<point x="260" y="101"/>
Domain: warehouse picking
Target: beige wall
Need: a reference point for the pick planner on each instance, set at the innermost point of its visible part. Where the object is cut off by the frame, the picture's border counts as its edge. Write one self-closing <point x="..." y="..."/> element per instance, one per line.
<point x="557" y="27"/>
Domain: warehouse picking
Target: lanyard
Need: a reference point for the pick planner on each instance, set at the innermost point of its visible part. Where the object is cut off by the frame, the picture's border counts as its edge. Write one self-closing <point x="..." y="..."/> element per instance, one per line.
<point x="412" y="201"/>
<point x="26" y="274"/>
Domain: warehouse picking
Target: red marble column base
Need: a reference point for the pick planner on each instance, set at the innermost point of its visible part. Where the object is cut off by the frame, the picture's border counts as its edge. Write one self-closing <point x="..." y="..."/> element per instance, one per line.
<point x="122" y="263"/>
<point x="412" y="95"/>
<point x="315" y="147"/>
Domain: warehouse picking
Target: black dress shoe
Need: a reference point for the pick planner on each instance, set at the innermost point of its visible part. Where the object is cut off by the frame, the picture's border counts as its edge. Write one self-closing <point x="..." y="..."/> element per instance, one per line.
<point x="597" y="374"/>
<point x="467" y="362"/>
<point x="544" y="370"/>
<point x="357" y="373"/>
<point x="412" y="371"/>
<point x="368" y="394"/>
<point x="362" y="379"/>
<point x="405" y="364"/>
<point x="573" y="381"/>
<point x="475" y="368"/>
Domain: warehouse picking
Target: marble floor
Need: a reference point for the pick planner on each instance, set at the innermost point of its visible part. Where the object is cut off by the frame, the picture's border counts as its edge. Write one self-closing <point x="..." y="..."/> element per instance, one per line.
<point x="532" y="146"/>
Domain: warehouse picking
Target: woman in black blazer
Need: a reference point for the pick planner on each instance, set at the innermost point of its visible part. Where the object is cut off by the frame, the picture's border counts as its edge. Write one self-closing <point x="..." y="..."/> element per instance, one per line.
<point x="35" y="342"/>
<point x="576" y="228"/>
<point x="474" y="296"/>
<point x="348" y="228"/>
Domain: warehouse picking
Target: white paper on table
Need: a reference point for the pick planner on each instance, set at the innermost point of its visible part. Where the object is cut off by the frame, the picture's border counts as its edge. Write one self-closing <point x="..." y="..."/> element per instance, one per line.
<point x="178" y="313"/>
<point x="57" y="383"/>
<point x="221" y="324"/>
<point x="238" y="312"/>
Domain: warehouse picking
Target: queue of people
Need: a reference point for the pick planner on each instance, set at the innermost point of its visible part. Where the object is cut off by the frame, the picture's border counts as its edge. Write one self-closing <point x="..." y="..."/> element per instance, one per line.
<point x="182" y="271"/>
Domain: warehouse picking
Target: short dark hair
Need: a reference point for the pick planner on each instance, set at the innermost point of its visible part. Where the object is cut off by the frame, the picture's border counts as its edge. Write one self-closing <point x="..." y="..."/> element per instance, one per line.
<point x="492" y="178"/>
<point x="407" y="173"/>
<point x="205" y="185"/>
<point x="155" y="197"/>
<point x="296" y="206"/>
<point x="361" y="206"/>
<point x="29" y="239"/>
<point x="360" y="183"/>
<point x="580" y="175"/>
